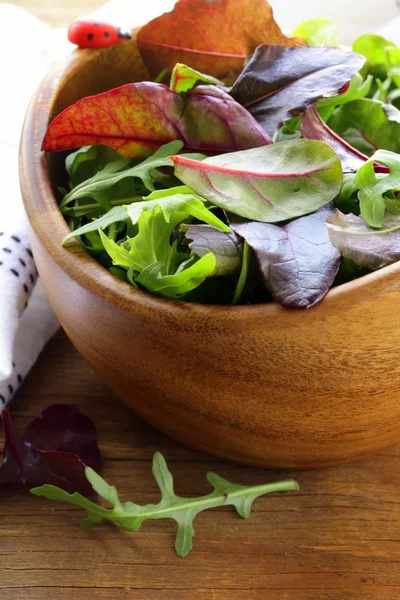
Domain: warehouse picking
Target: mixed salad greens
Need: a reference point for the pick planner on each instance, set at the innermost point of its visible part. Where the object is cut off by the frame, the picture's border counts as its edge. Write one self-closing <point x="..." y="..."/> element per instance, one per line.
<point x="273" y="176"/>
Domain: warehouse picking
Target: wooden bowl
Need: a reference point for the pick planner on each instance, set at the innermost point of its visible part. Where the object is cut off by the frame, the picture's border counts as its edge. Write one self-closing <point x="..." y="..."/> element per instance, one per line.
<point x="258" y="384"/>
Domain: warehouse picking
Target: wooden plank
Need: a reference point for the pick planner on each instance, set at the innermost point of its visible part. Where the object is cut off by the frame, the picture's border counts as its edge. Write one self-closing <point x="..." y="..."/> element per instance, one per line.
<point x="337" y="539"/>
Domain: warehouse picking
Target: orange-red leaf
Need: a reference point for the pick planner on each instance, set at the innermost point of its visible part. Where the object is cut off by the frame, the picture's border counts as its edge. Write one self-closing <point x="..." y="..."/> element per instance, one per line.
<point x="212" y="36"/>
<point x="137" y="118"/>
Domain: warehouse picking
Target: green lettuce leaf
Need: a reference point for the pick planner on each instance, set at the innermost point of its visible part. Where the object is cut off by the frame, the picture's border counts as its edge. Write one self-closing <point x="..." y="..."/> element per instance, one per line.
<point x="358" y="88"/>
<point x="364" y="125"/>
<point x="375" y="49"/>
<point x="151" y="259"/>
<point x="318" y="32"/>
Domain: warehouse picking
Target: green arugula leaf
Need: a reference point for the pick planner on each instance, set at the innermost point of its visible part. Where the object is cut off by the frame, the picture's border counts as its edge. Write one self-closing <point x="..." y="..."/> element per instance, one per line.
<point x="358" y="88"/>
<point x="364" y="125"/>
<point x="87" y="161"/>
<point x="184" y="78"/>
<point x="129" y="516"/>
<point x="375" y="187"/>
<point x="116" y="214"/>
<point x="179" y="199"/>
<point x="318" y="32"/>
<point x="98" y="186"/>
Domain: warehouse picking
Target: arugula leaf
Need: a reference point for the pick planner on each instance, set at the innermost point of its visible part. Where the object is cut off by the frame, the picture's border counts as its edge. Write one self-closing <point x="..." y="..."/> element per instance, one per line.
<point x="358" y="88"/>
<point x="367" y="247"/>
<point x="347" y="199"/>
<point x="364" y="125"/>
<point x="184" y="78"/>
<point x="179" y="199"/>
<point x="374" y="187"/>
<point x="130" y="516"/>
<point x="297" y="261"/>
<point x="271" y="184"/>
<point x="279" y="83"/>
<point x="116" y="214"/>
<point x="227" y="247"/>
<point x="318" y="32"/>
<point x="313" y="128"/>
<point x="87" y="161"/>
<point x="98" y="185"/>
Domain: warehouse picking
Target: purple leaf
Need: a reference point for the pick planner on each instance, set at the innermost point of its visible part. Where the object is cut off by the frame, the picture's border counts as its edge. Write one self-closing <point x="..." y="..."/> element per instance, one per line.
<point x="366" y="246"/>
<point x="226" y="247"/>
<point x="313" y="128"/>
<point x="55" y="449"/>
<point x="279" y="83"/>
<point x="297" y="262"/>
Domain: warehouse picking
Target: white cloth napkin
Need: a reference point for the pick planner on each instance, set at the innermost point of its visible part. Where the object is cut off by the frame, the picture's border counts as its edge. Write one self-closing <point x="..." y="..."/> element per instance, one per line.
<point x="26" y="318"/>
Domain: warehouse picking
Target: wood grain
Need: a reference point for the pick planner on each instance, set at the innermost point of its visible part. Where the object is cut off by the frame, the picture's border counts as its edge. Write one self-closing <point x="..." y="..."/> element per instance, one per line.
<point x="337" y="539"/>
<point x="259" y="384"/>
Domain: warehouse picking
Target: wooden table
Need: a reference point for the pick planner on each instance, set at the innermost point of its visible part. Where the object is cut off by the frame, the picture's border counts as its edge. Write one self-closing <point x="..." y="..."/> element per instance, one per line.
<point x="337" y="539"/>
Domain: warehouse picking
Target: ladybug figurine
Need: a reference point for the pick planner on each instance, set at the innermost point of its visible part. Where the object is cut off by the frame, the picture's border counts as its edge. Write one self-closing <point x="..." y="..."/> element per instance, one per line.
<point x="93" y="34"/>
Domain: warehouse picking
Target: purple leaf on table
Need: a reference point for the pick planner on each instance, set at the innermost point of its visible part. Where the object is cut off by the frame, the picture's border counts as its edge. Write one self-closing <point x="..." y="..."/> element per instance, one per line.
<point x="55" y="449"/>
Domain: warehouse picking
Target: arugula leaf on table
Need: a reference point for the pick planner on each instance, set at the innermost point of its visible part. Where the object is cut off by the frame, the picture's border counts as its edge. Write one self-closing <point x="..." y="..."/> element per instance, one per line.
<point x="364" y="125"/>
<point x="318" y="32"/>
<point x="364" y="245"/>
<point x="376" y="190"/>
<point x="184" y="78"/>
<point x="279" y="83"/>
<point x="270" y="184"/>
<point x="129" y="516"/>
<point x="226" y="246"/>
<point x="297" y="261"/>
<point x="54" y="449"/>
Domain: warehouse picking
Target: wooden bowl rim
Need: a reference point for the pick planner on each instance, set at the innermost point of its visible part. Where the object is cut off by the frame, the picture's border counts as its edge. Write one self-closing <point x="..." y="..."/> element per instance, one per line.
<point x="87" y="272"/>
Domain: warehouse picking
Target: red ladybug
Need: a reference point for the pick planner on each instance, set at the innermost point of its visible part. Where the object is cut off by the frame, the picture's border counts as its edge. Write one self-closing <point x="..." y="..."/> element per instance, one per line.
<point x="93" y="34"/>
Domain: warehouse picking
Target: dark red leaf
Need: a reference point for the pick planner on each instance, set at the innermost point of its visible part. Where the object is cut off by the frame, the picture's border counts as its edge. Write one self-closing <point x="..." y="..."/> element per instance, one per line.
<point x="54" y="449"/>
<point x="212" y="36"/>
<point x="314" y="128"/>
